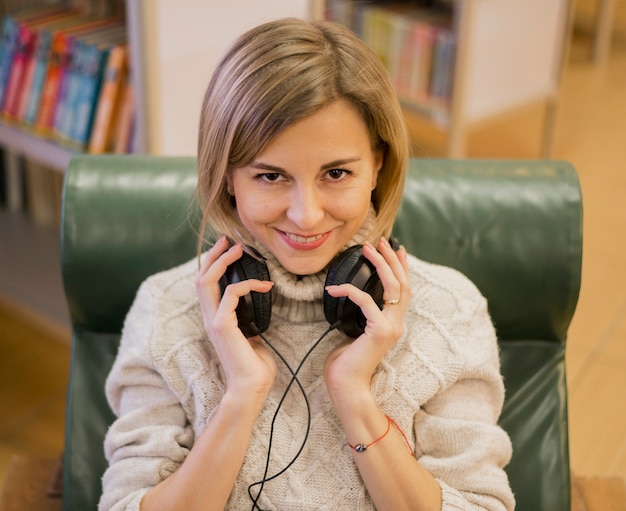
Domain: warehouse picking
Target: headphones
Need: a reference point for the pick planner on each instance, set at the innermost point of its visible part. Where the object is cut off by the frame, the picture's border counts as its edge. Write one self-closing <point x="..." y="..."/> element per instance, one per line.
<point x="348" y="267"/>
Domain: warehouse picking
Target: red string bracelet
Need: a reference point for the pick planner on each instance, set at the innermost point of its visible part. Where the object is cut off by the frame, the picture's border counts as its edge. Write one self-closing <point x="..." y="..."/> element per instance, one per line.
<point x="406" y="440"/>
<point x="390" y="421"/>
<point x="363" y="447"/>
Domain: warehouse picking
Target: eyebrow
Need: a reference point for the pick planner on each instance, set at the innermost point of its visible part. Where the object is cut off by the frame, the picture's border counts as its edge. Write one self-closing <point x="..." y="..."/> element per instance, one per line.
<point x="273" y="168"/>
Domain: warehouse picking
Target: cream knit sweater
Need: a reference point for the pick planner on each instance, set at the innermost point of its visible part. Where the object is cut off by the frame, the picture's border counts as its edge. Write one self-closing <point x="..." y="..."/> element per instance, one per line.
<point x="440" y="383"/>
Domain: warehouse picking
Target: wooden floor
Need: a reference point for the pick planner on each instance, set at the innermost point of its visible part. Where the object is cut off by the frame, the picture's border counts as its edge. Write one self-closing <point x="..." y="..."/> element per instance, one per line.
<point x="590" y="133"/>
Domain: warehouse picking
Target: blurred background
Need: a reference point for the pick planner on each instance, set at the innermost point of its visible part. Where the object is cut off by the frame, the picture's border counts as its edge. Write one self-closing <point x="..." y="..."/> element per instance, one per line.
<point x="509" y="79"/>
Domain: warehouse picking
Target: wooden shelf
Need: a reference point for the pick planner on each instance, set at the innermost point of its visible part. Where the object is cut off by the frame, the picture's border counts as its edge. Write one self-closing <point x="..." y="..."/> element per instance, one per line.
<point x="497" y="67"/>
<point x="39" y="149"/>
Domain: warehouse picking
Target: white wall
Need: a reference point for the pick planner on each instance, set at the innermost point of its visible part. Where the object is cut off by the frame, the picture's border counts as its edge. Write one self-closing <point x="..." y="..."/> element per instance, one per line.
<point x="182" y="42"/>
<point x="514" y="54"/>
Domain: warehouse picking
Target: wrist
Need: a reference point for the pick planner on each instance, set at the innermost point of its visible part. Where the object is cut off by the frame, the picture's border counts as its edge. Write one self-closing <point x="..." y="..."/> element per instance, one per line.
<point x="352" y="401"/>
<point x="243" y="405"/>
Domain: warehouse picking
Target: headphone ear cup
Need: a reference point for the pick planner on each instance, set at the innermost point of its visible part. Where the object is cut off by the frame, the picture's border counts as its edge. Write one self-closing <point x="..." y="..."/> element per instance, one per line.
<point x="351" y="267"/>
<point x="338" y="273"/>
<point x="254" y="310"/>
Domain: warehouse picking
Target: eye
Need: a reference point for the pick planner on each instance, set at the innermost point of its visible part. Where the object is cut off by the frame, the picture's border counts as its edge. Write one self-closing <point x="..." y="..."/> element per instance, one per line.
<point x="339" y="173"/>
<point x="270" y="177"/>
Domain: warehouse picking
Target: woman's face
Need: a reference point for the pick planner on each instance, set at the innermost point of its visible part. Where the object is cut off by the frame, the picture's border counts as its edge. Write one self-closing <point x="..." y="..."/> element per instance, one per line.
<point x="309" y="191"/>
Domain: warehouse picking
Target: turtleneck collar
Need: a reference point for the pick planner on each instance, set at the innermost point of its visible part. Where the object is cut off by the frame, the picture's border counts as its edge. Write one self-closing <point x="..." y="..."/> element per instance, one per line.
<point x="299" y="298"/>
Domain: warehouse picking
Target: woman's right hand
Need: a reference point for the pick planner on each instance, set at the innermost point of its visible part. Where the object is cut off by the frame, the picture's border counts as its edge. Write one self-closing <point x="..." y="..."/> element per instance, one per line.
<point x="249" y="366"/>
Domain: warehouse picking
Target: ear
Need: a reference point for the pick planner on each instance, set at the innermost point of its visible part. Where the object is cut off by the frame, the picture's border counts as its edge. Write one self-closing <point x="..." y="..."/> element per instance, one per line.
<point x="379" y="156"/>
<point x="229" y="183"/>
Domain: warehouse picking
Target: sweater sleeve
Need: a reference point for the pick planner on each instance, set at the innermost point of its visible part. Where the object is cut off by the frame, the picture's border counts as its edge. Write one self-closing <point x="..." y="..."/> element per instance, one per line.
<point x="461" y="444"/>
<point x="151" y="436"/>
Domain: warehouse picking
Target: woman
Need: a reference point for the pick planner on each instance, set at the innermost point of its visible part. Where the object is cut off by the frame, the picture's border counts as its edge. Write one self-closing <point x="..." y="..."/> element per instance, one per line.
<point x="302" y="151"/>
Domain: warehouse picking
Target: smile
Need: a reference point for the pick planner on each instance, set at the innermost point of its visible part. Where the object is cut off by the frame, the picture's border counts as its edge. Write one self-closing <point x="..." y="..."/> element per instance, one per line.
<point x="304" y="239"/>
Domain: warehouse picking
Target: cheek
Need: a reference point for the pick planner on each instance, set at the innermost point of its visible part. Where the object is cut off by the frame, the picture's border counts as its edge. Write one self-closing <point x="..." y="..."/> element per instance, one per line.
<point x="254" y="209"/>
<point x="351" y="207"/>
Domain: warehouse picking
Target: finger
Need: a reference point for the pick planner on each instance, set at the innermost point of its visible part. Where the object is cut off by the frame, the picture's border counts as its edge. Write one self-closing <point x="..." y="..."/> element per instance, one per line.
<point x="389" y="269"/>
<point x="220" y="246"/>
<point x="219" y="258"/>
<point x="208" y="279"/>
<point x="211" y="271"/>
<point x="223" y="325"/>
<point x="382" y="328"/>
<point x="234" y="292"/>
<point x="360" y="298"/>
<point x="396" y="259"/>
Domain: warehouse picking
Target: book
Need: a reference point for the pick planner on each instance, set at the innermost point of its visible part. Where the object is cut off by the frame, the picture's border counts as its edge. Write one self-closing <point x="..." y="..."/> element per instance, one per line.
<point x="57" y="65"/>
<point x="95" y="53"/>
<point x="61" y="18"/>
<point x="422" y="42"/>
<point x="70" y="81"/>
<point x="22" y="52"/>
<point x="35" y="77"/>
<point x="443" y="68"/>
<point x="27" y="29"/>
<point x="399" y="52"/>
<point x="27" y="81"/>
<point x="9" y="39"/>
<point x="123" y="131"/>
<point x="37" y="68"/>
<point x="109" y="100"/>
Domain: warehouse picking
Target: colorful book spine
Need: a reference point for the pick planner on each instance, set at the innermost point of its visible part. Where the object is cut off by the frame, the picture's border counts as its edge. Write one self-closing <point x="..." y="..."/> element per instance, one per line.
<point x="109" y="100"/>
<point x="63" y="100"/>
<point x="27" y="81"/>
<point x="125" y="123"/>
<point x="91" y="78"/>
<point x="23" y="50"/>
<point x="416" y="45"/>
<point x="64" y="112"/>
<point x="10" y="37"/>
<point x="399" y="53"/>
<point x="32" y="95"/>
<point x="443" y="68"/>
<point x="57" y="59"/>
<point x="20" y="72"/>
<point x="52" y="83"/>
<point x="423" y="39"/>
<point x="65" y="109"/>
<point x="40" y="21"/>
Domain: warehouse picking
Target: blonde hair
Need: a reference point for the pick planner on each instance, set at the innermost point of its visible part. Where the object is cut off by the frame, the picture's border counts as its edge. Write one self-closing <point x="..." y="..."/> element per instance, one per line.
<point x="274" y="75"/>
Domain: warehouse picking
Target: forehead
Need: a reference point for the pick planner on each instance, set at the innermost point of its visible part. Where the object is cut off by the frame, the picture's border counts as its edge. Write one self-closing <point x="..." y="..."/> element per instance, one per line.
<point x="335" y="129"/>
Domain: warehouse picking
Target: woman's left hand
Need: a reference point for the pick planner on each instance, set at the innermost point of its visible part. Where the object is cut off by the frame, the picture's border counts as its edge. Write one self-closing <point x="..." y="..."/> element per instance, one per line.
<point x="350" y="366"/>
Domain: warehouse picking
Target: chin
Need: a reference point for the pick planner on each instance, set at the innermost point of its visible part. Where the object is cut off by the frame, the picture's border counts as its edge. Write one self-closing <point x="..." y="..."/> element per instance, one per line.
<point x="302" y="266"/>
<point x="302" y="269"/>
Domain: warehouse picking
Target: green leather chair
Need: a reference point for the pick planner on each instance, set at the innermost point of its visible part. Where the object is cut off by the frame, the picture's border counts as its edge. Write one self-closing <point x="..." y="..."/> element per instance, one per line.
<point x="514" y="227"/>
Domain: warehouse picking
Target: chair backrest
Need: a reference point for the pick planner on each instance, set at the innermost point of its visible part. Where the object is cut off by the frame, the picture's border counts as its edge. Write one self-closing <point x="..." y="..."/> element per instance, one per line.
<point x="514" y="227"/>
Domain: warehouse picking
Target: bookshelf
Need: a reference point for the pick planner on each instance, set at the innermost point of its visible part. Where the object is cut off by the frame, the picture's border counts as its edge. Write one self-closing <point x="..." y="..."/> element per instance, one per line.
<point x="507" y="55"/>
<point x="169" y="74"/>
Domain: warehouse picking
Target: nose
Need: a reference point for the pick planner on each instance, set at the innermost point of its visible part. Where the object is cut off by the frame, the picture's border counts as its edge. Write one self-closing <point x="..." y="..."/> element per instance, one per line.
<point x="306" y="207"/>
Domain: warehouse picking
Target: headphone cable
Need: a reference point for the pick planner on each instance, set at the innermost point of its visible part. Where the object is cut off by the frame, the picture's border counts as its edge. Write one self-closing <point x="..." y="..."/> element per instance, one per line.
<point x="294" y="378"/>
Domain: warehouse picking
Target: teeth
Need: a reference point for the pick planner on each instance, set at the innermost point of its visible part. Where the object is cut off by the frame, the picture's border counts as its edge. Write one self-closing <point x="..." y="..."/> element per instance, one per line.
<point x="303" y="239"/>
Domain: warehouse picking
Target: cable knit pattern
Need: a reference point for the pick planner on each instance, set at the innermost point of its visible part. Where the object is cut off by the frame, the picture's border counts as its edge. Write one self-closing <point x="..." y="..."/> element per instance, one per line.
<point x="441" y="383"/>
